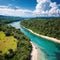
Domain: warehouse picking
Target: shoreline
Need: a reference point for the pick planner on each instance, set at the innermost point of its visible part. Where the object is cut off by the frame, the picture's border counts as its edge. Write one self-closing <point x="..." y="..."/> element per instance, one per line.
<point x="46" y="37"/>
<point x="37" y="53"/>
<point x="34" y="53"/>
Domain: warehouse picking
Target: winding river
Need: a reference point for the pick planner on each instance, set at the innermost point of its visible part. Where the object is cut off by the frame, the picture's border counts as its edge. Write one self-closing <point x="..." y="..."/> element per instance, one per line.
<point x="48" y="50"/>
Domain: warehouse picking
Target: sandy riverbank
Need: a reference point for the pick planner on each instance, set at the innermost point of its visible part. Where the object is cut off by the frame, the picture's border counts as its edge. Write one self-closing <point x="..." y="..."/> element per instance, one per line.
<point x="46" y="37"/>
<point x="34" y="53"/>
<point x="37" y="53"/>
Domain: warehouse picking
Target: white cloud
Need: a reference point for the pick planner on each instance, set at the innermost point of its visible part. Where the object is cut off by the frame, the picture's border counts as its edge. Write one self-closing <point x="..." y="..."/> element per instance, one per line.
<point x="46" y="8"/>
<point x="3" y="6"/>
<point x="5" y="10"/>
<point x="43" y="8"/>
<point x="53" y="4"/>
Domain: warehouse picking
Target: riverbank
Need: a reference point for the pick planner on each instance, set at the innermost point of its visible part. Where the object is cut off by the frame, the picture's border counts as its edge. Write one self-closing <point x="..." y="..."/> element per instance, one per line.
<point x="34" y="53"/>
<point x="46" y="37"/>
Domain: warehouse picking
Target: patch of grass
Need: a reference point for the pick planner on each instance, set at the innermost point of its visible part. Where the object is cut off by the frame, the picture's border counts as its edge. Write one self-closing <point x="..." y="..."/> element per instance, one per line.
<point x="2" y="35"/>
<point x="7" y="43"/>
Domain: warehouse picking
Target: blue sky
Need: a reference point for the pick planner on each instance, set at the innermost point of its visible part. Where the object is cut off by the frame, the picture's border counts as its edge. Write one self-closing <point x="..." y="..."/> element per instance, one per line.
<point x="30" y="8"/>
<point x="25" y="4"/>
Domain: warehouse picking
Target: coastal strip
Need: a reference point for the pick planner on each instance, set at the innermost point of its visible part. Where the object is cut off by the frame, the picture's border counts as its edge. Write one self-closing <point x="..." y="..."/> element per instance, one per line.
<point x="46" y="37"/>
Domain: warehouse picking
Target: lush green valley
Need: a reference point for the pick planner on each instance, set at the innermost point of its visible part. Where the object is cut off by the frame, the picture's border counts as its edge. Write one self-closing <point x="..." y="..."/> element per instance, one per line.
<point x="16" y="46"/>
<point x="45" y="26"/>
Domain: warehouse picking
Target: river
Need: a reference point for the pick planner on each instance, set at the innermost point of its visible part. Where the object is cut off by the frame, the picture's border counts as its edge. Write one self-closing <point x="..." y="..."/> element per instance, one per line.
<point x="48" y="50"/>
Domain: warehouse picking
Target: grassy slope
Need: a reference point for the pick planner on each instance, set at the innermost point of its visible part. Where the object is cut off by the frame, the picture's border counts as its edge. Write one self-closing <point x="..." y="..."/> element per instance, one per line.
<point x="7" y="43"/>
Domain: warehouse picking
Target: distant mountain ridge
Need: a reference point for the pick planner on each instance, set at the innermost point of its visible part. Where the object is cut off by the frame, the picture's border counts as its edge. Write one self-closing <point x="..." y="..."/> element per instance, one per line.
<point x="9" y="19"/>
<point x="2" y="16"/>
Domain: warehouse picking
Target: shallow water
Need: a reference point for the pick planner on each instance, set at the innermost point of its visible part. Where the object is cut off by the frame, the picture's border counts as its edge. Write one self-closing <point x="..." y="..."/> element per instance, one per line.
<point x="47" y="49"/>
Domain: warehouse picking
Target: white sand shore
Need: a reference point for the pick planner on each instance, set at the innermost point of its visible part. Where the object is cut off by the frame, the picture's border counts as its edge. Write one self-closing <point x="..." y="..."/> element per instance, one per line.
<point x="34" y="53"/>
<point x="37" y="53"/>
<point x="46" y="37"/>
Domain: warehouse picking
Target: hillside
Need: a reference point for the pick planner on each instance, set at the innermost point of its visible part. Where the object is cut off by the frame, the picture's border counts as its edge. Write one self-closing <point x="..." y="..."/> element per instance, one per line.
<point x="14" y="45"/>
<point x="9" y="19"/>
<point x="45" y="26"/>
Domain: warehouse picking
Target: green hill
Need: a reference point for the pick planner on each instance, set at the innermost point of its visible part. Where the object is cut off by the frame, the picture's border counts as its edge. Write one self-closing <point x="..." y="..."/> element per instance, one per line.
<point x="45" y="26"/>
<point x="13" y="41"/>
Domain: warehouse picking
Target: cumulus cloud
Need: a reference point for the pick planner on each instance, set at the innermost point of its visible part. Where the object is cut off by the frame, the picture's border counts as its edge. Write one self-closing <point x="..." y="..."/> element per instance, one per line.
<point x="46" y="8"/>
<point x="43" y="8"/>
<point x="5" y="10"/>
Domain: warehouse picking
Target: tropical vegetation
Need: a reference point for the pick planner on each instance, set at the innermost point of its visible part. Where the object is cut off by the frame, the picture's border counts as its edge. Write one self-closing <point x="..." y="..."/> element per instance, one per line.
<point x="14" y="45"/>
<point x="45" y="26"/>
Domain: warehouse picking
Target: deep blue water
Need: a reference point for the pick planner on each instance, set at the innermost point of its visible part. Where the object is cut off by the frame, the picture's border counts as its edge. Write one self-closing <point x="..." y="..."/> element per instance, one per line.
<point x="48" y="48"/>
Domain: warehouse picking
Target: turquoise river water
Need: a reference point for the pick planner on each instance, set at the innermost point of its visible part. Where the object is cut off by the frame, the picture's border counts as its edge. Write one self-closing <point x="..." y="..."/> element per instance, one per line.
<point x="48" y="50"/>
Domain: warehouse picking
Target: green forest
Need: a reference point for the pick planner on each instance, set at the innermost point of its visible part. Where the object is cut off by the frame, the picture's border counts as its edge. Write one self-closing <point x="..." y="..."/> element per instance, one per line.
<point x="44" y="26"/>
<point x="9" y="19"/>
<point x="19" y="49"/>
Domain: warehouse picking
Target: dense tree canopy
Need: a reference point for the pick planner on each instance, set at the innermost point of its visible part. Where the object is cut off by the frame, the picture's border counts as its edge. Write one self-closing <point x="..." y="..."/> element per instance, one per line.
<point x="23" y="45"/>
<point x="45" y="26"/>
